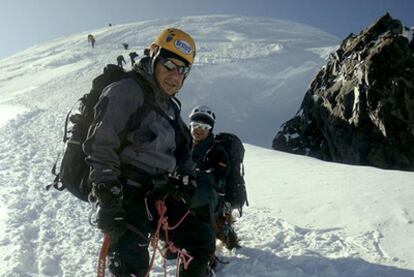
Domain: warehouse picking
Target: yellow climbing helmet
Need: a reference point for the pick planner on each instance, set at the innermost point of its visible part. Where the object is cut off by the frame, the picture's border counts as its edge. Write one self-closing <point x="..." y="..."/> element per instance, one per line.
<point x="177" y="42"/>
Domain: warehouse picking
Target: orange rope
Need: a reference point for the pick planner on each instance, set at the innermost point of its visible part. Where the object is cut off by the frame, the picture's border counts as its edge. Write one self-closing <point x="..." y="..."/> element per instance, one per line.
<point x="102" y="256"/>
<point x="183" y="256"/>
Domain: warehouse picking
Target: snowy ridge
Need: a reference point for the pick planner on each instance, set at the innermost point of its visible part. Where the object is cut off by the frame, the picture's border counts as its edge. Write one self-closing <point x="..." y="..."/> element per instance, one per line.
<point x="237" y="57"/>
<point x="307" y="217"/>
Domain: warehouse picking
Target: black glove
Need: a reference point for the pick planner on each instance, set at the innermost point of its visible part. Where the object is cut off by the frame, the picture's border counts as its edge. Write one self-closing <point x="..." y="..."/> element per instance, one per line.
<point x="111" y="219"/>
<point x="110" y="215"/>
<point x="188" y="184"/>
<point x="183" y="186"/>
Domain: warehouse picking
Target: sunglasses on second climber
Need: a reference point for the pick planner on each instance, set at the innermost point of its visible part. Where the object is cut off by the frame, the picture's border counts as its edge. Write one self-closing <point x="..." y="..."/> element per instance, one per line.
<point x="199" y="125"/>
<point x="170" y="65"/>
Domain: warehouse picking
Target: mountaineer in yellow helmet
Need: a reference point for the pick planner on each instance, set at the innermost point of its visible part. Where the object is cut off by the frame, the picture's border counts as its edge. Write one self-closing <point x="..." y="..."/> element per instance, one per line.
<point x="138" y="149"/>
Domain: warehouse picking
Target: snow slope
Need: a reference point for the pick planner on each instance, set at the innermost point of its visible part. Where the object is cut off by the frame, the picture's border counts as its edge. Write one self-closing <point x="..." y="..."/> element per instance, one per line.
<point x="307" y="217"/>
<point x="249" y="69"/>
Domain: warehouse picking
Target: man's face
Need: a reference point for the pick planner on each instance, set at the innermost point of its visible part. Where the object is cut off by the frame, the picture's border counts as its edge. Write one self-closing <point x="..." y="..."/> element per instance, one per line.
<point x="170" y="81"/>
<point x="198" y="133"/>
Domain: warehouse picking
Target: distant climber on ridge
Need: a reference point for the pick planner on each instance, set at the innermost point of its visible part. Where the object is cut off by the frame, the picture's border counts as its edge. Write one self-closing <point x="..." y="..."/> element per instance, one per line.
<point x="91" y="40"/>
<point x="132" y="56"/>
<point x="120" y="59"/>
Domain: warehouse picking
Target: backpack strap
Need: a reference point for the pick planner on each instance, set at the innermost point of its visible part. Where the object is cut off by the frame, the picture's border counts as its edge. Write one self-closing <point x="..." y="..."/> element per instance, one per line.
<point x="203" y="158"/>
<point x="150" y="103"/>
<point x="176" y="102"/>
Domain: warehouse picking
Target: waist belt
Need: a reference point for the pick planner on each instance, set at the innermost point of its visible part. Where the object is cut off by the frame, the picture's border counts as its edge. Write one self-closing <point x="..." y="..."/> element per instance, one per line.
<point x="136" y="177"/>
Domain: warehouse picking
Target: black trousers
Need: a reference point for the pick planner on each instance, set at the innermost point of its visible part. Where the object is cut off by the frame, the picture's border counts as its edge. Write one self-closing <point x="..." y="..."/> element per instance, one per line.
<point x="129" y="253"/>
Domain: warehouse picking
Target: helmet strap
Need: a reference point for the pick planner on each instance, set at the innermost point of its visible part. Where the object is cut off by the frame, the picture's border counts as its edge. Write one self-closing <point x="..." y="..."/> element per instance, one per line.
<point x="154" y="60"/>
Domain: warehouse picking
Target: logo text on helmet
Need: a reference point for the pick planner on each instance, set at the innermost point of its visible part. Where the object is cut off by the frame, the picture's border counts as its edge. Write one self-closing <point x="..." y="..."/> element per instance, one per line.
<point x="183" y="46"/>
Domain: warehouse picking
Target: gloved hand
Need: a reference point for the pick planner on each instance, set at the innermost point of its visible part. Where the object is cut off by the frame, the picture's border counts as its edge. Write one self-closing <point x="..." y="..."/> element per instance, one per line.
<point x="110" y="215"/>
<point x="188" y="184"/>
<point x="183" y="185"/>
<point x="110" y="219"/>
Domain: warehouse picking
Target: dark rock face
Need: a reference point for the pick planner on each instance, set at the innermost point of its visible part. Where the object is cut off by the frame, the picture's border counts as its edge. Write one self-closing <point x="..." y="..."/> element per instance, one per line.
<point x="359" y="108"/>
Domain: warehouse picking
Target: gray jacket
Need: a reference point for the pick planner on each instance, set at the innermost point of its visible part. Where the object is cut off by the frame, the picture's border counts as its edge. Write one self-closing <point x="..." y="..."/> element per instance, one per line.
<point x="152" y="148"/>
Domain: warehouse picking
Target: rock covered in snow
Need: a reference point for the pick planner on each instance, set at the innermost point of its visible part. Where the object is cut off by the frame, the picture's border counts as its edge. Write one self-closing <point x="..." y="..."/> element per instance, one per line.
<point x="359" y="108"/>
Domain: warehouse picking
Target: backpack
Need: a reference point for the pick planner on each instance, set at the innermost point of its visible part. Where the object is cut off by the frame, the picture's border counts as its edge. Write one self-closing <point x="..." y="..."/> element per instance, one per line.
<point x="235" y="189"/>
<point x="74" y="172"/>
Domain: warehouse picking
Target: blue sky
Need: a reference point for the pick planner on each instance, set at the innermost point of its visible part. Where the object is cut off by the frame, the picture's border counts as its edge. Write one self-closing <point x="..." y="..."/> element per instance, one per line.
<point x="25" y="23"/>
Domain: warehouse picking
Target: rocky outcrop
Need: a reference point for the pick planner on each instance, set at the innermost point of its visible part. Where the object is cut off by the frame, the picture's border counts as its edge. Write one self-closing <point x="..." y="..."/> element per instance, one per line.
<point x="359" y="108"/>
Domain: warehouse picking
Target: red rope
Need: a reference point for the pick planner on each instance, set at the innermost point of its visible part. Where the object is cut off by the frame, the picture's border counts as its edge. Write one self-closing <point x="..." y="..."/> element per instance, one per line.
<point x="102" y="256"/>
<point x="183" y="256"/>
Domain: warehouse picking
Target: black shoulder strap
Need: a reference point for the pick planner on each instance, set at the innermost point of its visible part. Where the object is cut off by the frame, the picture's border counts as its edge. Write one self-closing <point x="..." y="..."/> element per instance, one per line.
<point x="151" y="104"/>
<point x="146" y="87"/>
<point x="203" y="158"/>
<point x="176" y="102"/>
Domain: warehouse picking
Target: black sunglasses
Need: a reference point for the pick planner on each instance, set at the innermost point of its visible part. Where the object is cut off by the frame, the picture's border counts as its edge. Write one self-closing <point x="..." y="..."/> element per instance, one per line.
<point x="170" y="65"/>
